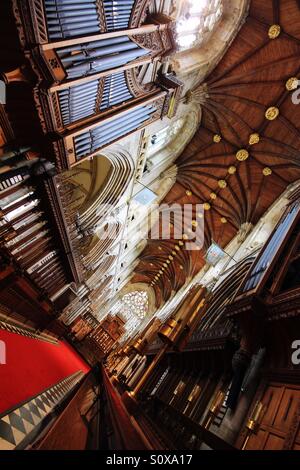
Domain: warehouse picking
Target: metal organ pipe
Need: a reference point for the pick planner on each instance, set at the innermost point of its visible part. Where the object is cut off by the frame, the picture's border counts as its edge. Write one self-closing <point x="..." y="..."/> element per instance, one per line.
<point x="70" y="18"/>
<point x="86" y="59"/>
<point x="271" y="249"/>
<point x="92" y="140"/>
<point x="80" y="101"/>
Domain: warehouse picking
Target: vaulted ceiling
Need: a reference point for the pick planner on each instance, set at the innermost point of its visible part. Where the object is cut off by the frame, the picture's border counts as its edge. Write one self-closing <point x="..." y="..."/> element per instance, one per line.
<point x="246" y="150"/>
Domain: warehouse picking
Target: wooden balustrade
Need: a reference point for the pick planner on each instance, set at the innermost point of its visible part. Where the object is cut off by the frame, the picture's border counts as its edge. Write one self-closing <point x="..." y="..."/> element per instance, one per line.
<point x="99" y="420"/>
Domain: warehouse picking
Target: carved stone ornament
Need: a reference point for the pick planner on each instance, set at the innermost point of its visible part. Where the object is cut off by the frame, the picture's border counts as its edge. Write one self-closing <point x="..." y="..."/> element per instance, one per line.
<point x="242" y="155"/>
<point x="292" y="83"/>
<point x="243" y="232"/>
<point x="267" y="171"/>
<point x="274" y="31"/>
<point x="199" y="95"/>
<point x="272" y="113"/>
<point x="254" y="138"/>
<point x="231" y="170"/>
<point x="222" y="184"/>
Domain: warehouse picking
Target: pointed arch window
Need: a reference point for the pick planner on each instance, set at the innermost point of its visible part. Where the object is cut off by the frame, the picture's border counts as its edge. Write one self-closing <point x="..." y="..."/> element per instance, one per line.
<point x="164" y="136"/>
<point x="197" y="21"/>
<point x="136" y="304"/>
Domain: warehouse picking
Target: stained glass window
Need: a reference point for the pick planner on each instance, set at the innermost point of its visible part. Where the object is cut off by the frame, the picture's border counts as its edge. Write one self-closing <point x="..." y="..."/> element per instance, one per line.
<point x="135" y="303"/>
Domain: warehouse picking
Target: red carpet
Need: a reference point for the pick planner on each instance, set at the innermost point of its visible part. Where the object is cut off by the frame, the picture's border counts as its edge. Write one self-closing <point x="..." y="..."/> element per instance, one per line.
<point x="33" y="365"/>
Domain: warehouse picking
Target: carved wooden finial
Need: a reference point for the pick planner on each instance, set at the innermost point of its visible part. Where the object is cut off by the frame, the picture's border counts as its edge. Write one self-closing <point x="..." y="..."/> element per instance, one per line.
<point x="17" y="75"/>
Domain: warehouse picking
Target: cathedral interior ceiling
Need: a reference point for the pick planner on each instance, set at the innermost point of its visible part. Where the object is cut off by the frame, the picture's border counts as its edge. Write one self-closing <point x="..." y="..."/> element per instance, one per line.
<point x="245" y="152"/>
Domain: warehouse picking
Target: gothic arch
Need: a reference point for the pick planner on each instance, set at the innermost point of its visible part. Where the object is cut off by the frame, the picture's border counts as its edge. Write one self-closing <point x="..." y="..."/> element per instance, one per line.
<point x="122" y="168"/>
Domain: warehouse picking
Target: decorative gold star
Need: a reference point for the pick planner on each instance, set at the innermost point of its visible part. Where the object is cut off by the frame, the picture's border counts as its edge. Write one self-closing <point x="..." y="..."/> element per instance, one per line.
<point x="213" y="196"/>
<point x="188" y="192"/>
<point x="206" y="206"/>
<point x="223" y="220"/>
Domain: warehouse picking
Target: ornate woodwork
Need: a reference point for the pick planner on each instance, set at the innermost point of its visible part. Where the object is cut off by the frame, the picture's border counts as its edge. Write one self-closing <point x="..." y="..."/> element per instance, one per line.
<point x="48" y="21"/>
